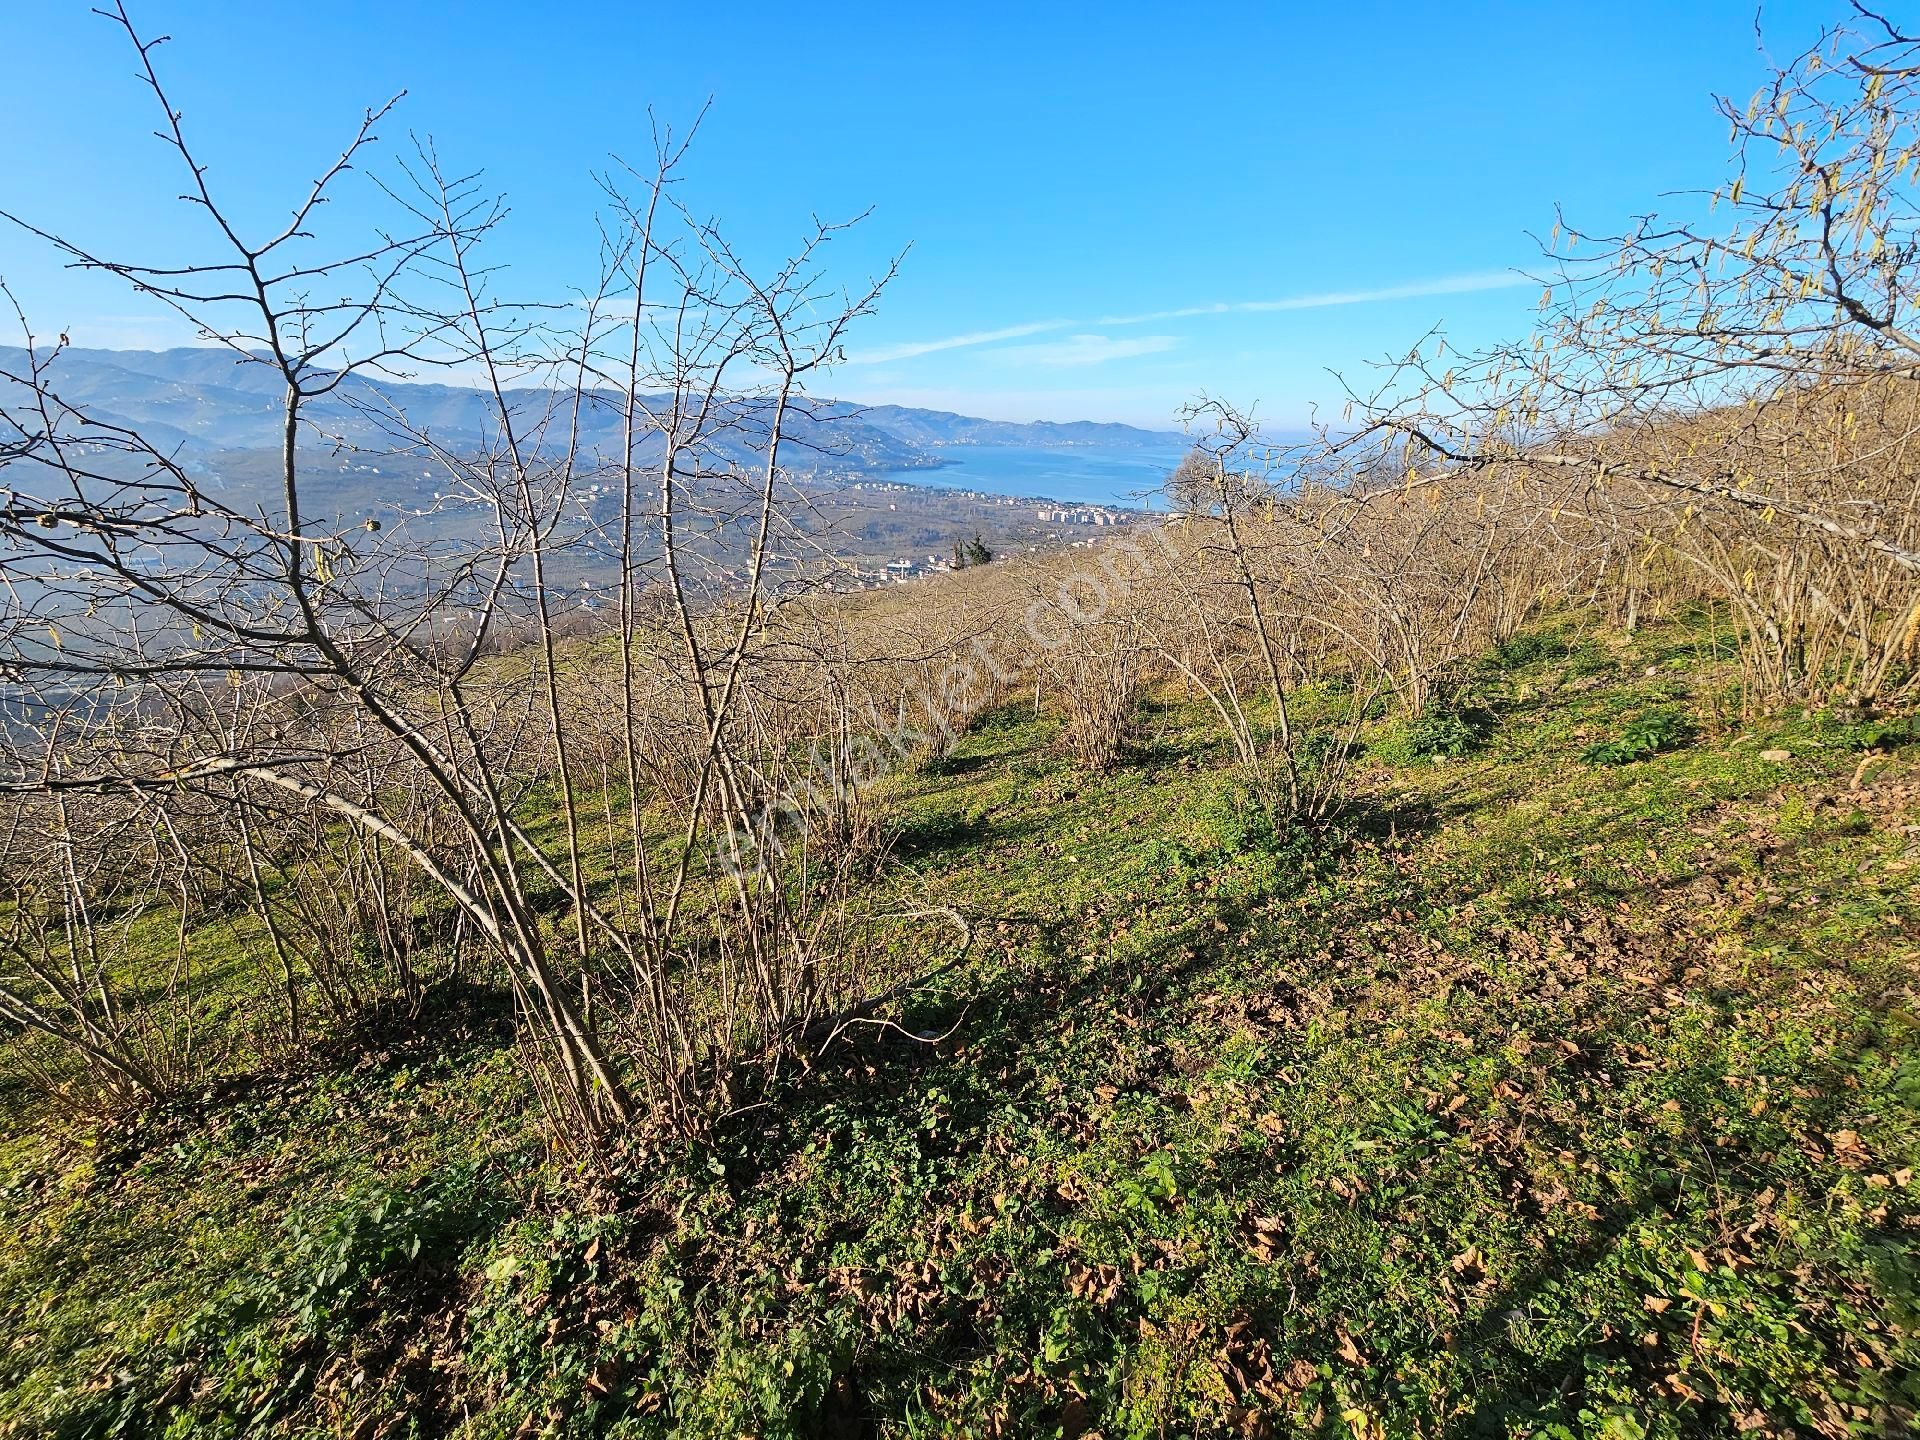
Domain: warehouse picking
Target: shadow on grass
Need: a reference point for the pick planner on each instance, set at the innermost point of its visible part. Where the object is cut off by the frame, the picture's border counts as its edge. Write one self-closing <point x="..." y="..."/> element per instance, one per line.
<point x="1041" y="1001"/>
<point x="943" y="766"/>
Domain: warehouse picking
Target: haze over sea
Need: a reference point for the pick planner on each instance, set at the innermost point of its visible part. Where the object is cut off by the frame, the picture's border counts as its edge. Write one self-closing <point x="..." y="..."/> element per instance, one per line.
<point x="1081" y="474"/>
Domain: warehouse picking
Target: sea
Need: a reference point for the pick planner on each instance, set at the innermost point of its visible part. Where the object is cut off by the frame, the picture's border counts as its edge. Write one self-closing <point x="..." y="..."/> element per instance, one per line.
<point x="1078" y="474"/>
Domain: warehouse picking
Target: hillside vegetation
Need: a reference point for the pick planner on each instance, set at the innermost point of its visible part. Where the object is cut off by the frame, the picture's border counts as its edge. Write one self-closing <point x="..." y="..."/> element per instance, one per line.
<point x="1418" y="938"/>
<point x="1540" y="1094"/>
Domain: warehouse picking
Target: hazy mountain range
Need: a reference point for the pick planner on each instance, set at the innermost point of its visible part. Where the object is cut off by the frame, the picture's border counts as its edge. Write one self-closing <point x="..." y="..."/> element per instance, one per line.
<point x="204" y="401"/>
<point x="873" y="475"/>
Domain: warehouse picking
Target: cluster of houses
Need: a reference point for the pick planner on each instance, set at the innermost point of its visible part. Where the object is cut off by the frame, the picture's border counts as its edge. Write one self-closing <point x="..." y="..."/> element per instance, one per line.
<point x="895" y="572"/>
<point x="1081" y="517"/>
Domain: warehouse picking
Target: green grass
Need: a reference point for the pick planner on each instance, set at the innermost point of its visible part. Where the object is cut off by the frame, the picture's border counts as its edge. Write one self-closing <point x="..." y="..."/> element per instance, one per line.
<point x="1535" y="1097"/>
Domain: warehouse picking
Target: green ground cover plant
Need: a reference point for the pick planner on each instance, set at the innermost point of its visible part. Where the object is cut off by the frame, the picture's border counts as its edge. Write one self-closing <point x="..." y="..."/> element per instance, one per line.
<point x="1526" y="1097"/>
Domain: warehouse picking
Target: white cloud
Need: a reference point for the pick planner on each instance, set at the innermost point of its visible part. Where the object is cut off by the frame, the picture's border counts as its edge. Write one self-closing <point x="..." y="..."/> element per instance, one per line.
<point x="906" y="350"/>
<point x="1083" y="350"/>
<point x="1415" y="290"/>
<point x="1089" y="349"/>
<point x="134" y="332"/>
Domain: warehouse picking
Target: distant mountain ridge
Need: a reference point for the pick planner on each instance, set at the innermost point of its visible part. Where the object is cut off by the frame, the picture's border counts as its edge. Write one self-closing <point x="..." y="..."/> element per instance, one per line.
<point x="204" y="400"/>
<point x="942" y="428"/>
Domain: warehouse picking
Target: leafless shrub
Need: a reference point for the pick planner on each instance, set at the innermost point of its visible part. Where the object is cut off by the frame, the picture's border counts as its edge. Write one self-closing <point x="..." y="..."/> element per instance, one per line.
<point x="1733" y="391"/>
<point x="1095" y="670"/>
<point x="359" y="673"/>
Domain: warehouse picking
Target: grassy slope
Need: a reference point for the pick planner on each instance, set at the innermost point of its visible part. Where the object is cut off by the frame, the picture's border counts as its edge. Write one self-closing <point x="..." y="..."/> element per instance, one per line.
<point x="1546" y="1097"/>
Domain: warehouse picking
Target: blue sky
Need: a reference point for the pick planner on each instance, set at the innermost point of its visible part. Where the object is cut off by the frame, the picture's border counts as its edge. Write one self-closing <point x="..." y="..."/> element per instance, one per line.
<point x="1109" y="208"/>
